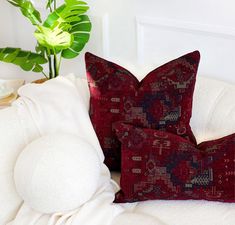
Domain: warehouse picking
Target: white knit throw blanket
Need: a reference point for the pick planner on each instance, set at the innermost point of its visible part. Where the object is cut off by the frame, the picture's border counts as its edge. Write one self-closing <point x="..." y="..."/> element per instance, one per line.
<point x="59" y="106"/>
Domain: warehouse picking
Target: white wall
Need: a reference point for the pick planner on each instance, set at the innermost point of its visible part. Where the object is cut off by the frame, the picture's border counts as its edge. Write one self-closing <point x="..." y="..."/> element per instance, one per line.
<point x="143" y="33"/>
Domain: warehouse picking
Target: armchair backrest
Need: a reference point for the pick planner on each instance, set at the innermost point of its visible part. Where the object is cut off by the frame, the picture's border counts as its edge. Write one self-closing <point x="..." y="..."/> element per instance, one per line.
<point x="213" y="109"/>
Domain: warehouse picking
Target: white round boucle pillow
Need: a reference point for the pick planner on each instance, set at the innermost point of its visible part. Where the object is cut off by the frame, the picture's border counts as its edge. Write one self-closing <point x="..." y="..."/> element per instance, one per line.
<point x="57" y="173"/>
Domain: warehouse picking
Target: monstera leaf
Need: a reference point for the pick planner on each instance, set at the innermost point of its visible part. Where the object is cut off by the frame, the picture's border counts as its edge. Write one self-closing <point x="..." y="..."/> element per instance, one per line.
<point x="55" y="39"/>
<point x="27" y="60"/>
<point x="70" y="17"/>
<point x="81" y="33"/>
<point x="66" y="14"/>
<point x="28" y="10"/>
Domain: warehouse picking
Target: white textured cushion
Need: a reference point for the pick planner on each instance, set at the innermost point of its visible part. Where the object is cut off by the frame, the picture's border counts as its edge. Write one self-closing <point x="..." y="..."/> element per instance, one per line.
<point x="213" y="109"/>
<point x="57" y="173"/>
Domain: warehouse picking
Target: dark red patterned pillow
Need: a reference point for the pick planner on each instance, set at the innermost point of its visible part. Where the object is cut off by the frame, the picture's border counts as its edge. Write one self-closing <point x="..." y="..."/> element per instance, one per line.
<point x="162" y="100"/>
<point x="161" y="165"/>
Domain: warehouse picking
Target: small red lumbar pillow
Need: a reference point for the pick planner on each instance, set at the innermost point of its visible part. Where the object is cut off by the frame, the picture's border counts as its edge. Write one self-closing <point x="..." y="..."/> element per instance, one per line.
<point x="161" y="165"/>
<point x="162" y="100"/>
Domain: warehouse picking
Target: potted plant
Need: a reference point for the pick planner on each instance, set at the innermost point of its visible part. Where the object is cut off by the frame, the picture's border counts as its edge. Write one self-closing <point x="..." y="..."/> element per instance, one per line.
<point x="63" y="34"/>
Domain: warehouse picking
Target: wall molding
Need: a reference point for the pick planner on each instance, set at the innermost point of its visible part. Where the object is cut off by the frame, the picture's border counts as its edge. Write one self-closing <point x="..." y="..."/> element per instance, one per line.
<point x="216" y="43"/>
<point x="173" y="25"/>
<point x="187" y="27"/>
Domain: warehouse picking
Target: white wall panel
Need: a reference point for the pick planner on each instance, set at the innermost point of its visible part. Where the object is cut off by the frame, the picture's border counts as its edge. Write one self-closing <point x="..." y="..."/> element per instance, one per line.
<point x="160" y="40"/>
<point x="142" y="33"/>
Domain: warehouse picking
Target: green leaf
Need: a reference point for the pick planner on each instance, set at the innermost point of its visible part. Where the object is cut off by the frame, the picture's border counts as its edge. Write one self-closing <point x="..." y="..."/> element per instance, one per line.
<point x="81" y="32"/>
<point x="55" y="39"/>
<point x="70" y="18"/>
<point x="37" y="69"/>
<point x="28" y="10"/>
<point x="66" y="14"/>
<point x="27" y="60"/>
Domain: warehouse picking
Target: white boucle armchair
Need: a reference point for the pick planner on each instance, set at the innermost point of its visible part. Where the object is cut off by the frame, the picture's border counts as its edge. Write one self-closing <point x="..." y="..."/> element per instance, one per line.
<point x="213" y="117"/>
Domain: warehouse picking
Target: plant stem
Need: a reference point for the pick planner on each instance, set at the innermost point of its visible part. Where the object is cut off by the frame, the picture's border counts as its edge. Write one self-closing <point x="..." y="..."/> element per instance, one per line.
<point x="56" y="72"/>
<point x="50" y="67"/>
<point x="49" y="4"/>
<point x="44" y="74"/>
<point x="50" y="63"/>
<point x="59" y="63"/>
<point x="54" y="4"/>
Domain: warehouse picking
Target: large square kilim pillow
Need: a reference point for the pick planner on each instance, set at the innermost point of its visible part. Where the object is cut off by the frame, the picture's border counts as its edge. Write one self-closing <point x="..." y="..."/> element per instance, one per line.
<point x="162" y="100"/>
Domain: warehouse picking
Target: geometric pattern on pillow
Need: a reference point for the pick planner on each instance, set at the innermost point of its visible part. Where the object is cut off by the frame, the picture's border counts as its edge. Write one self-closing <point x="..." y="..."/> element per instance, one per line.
<point x="161" y="165"/>
<point x="162" y="100"/>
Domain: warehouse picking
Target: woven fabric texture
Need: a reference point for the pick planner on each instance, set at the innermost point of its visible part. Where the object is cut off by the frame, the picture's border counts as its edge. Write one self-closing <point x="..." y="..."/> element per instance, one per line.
<point x="162" y="100"/>
<point x="161" y="165"/>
